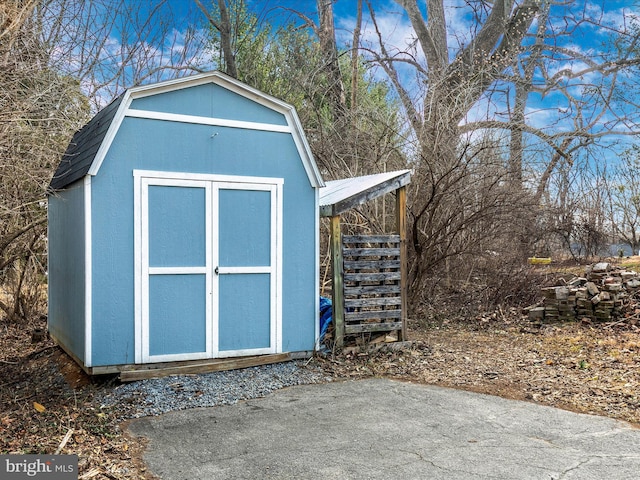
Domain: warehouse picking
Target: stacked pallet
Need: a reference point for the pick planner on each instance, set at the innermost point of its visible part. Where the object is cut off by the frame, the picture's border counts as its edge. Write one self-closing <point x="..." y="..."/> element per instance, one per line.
<point x="604" y="294"/>
<point x="372" y="287"/>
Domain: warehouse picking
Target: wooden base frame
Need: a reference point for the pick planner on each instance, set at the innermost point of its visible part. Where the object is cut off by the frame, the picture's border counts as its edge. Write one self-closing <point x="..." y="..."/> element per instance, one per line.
<point x="133" y="372"/>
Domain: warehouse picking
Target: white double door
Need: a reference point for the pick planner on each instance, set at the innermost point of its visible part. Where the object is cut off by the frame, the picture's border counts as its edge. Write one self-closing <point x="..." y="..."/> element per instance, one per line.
<point x="208" y="266"/>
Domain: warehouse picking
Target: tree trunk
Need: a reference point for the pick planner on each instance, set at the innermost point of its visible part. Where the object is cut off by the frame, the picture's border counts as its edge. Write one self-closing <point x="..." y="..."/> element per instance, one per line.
<point x="224" y="28"/>
<point x="225" y="40"/>
<point x="516" y="144"/>
<point x="355" y="45"/>
<point x="329" y="49"/>
<point x="523" y="86"/>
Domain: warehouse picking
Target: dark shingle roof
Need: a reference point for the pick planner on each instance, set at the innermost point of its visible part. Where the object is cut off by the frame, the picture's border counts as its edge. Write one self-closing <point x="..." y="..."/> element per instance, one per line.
<point x="84" y="145"/>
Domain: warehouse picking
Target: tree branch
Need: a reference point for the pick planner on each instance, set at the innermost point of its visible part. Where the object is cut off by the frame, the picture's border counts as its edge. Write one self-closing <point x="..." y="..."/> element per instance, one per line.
<point x="9" y="238"/>
<point x="224" y="27"/>
<point x="482" y="62"/>
<point x="405" y="98"/>
<point x="434" y="52"/>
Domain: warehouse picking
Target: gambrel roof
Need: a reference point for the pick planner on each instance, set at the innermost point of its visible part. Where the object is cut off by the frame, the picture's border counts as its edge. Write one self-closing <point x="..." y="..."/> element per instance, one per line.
<point x="89" y="145"/>
<point x="84" y="146"/>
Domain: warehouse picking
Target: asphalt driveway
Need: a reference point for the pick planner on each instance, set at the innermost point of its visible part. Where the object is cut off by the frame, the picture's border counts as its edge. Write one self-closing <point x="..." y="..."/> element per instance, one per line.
<point x="385" y="429"/>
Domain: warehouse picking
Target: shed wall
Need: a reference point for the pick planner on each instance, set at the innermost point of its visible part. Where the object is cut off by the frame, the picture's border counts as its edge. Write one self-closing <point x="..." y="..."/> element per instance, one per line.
<point x="66" y="272"/>
<point x="180" y="147"/>
<point x="212" y="101"/>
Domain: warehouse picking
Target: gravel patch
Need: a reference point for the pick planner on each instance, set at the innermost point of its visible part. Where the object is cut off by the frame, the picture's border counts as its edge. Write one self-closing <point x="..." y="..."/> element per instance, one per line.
<point x="180" y="392"/>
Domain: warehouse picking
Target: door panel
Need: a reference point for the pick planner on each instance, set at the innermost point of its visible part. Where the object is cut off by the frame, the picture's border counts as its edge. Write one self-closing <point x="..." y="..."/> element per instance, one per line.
<point x="177" y="314"/>
<point x="177" y="226"/>
<point x="245" y="313"/>
<point x="244" y="228"/>
<point x="246" y="299"/>
<point x="177" y="284"/>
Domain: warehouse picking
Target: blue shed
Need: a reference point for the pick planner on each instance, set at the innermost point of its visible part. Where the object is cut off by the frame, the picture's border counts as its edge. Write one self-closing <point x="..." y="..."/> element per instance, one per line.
<point x="183" y="227"/>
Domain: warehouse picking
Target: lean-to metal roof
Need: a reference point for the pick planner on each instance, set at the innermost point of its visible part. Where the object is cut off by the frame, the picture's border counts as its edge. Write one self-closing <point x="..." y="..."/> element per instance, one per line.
<point x="338" y="196"/>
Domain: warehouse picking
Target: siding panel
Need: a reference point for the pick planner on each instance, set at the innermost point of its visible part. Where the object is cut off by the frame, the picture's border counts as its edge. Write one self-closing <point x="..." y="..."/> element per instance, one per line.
<point x="210" y="101"/>
<point x="244" y="312"/>
<point x="66" y="316"/>
<point x="169" y="146"/>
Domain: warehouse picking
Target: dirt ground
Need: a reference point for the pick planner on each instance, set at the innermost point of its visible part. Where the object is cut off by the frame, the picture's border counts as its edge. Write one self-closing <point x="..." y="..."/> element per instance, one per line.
<point x="585" y="368"/>
<point x="47" y="404"/>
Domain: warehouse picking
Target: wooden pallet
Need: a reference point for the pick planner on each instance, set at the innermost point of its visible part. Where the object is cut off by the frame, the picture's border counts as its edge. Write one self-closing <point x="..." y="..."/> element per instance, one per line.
<point x="372" y="283"/>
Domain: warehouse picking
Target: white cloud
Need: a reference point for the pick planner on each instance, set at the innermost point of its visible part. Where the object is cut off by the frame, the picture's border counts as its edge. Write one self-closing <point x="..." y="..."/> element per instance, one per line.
<point x="396" y="31"/>
<point x="398" y="34"/>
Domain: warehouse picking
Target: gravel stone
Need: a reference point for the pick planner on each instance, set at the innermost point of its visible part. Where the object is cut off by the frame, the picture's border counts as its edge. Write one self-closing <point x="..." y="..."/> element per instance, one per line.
<point x="161" y="395"/>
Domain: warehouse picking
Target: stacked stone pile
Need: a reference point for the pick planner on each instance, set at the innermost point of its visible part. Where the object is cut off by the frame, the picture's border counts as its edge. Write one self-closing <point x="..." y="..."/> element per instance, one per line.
<point x="606" y="293"/>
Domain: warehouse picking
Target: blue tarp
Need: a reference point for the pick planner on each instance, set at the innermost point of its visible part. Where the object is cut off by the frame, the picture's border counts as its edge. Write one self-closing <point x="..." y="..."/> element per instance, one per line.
<point x="326" y="315"/>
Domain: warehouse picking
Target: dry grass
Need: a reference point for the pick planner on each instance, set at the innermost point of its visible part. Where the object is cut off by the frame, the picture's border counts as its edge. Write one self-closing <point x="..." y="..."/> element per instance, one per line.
<point x="44" y="396"/>
<point x="631" y="263"/>
<point x="586" y="368"/>
<point x="583" y="368"/>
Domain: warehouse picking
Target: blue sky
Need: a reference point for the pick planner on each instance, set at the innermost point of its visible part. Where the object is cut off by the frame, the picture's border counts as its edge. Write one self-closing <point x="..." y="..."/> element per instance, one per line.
<point x="552" y="110"/>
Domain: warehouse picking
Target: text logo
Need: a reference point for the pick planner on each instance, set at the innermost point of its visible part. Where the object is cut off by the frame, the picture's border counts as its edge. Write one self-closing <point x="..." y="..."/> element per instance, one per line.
<point x="49" y="467"/>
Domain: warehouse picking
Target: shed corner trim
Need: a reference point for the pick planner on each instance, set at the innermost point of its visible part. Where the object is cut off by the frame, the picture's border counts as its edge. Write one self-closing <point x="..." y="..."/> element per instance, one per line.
<point x="88" y="274"/>
<point x="110" y="135"/>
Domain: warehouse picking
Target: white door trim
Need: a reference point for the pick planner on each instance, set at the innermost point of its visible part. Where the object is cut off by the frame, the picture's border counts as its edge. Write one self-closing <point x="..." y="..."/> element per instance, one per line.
<point x="212" y="184"/>
<point x="146" y="271"/>
<point x="274" y="267"/>
<point x="210" y="177"/>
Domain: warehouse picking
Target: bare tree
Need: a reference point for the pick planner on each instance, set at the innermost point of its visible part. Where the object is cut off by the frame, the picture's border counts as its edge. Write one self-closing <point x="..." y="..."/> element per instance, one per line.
<point x="500" y="62"/>
<point x="578" y="214"/>
<point x="38" y="109"/>
<point x="60" y="60"/>
<point x="355" y="56"/>
<point x="444" y="209"/>
<point x="111" y="45"/>
<point x="224" y="26"/>
<point x="589" y="105"/>
<point x="327" y="35"/>
<point x="623" y="188"/>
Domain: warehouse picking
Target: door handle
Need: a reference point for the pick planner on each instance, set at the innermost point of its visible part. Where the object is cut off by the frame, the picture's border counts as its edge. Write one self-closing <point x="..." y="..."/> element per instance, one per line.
<point x="217" y="271"/>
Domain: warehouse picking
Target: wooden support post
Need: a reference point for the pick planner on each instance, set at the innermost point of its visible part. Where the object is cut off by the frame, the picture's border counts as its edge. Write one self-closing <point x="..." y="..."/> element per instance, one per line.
<point x="338" y="281"/>
<point x="401" y="225"/>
